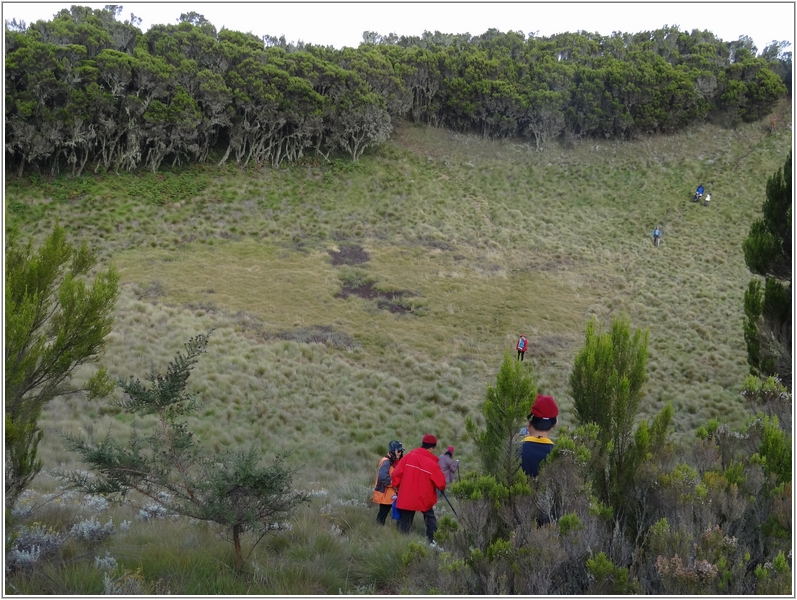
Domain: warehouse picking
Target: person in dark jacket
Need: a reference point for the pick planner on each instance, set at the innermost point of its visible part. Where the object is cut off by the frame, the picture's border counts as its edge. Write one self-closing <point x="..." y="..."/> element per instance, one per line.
<point x="417" y="476"/>
<point x="384" y="492"/>
<point x="537" y="445"/>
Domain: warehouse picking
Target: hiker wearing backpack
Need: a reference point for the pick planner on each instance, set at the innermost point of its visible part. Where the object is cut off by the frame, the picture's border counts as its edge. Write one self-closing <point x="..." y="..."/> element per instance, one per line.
<point x="521" y="347"/>
<point x="384" y="492"/>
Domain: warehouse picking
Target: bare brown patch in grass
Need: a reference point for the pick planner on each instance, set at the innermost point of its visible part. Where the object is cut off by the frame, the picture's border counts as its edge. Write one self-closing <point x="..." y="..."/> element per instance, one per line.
<point x="393" y="307"/>
<point x="349" y="255"/>
<point x="391" y="301"/>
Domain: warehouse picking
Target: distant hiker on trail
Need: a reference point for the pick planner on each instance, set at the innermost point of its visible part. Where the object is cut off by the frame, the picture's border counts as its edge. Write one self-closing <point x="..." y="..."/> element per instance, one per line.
<point x="448" y="465"/>
<point x="384" y="492"/>
<point x="657" y="235"/>
<point x="521" y="346"/>
<point x="698" y="193"/>
<point x="417" y="476"/>
<point x="537" y="445"/>
<point x="707" y="200"/>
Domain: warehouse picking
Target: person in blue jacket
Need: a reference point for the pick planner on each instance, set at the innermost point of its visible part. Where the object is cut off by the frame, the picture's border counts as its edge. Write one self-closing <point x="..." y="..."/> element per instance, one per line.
<point x="698" y="193"/>
<point x="656" y="234"/>
<point x="537" y="445"/>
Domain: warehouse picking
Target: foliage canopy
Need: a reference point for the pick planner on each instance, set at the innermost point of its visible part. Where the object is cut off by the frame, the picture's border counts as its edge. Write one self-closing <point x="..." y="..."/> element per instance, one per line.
<point x="87" y="88"/>
<point x="55" y="321"/>
<point x="767" y="252"/>
<point x="505" y="410"/>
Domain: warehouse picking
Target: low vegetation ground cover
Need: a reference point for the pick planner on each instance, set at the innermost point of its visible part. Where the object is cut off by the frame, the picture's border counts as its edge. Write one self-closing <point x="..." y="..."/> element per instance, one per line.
<point x="475" y="241"/>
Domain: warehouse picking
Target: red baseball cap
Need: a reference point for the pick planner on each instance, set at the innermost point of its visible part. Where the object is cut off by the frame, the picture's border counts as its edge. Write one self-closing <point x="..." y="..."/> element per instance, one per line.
<point x="544" y="407"/>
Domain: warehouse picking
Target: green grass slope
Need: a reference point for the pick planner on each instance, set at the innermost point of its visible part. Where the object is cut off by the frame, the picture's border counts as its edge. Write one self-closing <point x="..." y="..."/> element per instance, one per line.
<point x="472" y="241"/>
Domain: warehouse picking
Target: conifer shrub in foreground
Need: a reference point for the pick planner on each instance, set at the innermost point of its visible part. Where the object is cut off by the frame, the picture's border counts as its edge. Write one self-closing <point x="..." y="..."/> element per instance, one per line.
<point x="230" y="490"/>
<point x="710" y="521"/>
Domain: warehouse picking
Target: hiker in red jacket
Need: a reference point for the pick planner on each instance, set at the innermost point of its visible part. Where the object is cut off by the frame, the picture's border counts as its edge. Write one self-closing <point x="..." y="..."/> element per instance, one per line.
<point x="417" y="477"/>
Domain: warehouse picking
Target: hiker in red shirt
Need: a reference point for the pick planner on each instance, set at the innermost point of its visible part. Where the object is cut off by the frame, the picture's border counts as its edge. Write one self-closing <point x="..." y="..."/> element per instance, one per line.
<point x="417" y="477"/>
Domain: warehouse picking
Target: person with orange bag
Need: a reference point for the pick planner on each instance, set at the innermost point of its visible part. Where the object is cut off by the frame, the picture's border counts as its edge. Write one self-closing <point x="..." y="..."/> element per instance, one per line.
<point x="384" y="492"/>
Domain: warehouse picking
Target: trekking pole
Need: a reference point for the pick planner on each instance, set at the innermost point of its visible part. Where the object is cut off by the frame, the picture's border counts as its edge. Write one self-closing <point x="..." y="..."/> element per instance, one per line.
<point x="449" y="503"/>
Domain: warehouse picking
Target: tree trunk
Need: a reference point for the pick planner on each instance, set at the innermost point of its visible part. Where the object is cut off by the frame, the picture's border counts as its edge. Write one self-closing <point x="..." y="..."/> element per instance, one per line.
<point x="236" y="540"/>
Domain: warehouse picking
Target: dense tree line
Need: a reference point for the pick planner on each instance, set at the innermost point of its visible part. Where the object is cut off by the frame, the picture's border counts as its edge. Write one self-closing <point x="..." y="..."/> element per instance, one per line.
<point x="89" y="90"/>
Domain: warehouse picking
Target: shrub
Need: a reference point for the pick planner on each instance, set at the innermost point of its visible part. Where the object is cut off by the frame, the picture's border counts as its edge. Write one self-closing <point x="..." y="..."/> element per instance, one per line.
<point x="32" y="544"/>
<point x="606" y="384"/>
<point x="505" y="409"/>
<point x="54" y="323"/>
<point x="230" y="489"/>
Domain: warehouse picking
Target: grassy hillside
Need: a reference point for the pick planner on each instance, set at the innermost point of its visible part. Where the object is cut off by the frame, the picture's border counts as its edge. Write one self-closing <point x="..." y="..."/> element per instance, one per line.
<point x="358" y="303"/>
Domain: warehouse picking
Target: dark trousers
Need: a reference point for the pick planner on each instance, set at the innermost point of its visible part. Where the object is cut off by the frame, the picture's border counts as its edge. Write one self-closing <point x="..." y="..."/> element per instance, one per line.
<point x="407" y="516"/>
<point x="384" y="511"/>
<point x="521" y="354"/>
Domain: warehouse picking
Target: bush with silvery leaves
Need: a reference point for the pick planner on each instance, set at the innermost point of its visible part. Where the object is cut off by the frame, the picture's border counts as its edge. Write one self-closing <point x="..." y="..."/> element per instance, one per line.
<point x="153" y="511"/>
<point x="32" y="544"/>
<point x="17" y="559"/>
<point x="91" y="530"/>
<point x="129" y="584"/>
<point x="105" y="563"/>
<point x="95" y="503"/>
